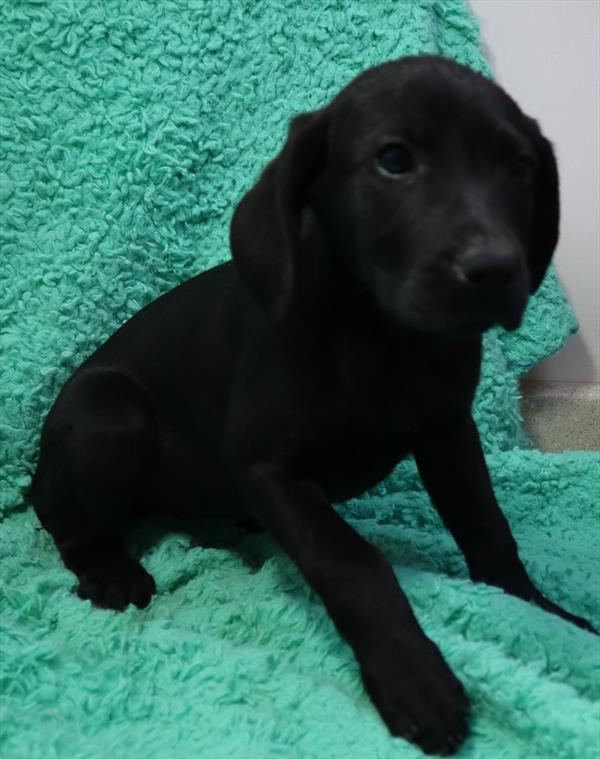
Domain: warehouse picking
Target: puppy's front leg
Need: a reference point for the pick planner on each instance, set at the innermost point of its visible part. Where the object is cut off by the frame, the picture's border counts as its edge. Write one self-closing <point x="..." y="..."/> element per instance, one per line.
<point x="453" y="469"/>
<point x="404" y="673"/>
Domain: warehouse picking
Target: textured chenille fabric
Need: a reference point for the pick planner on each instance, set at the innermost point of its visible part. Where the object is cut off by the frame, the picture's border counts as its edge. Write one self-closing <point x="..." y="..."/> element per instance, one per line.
<point x="128" y="133"/>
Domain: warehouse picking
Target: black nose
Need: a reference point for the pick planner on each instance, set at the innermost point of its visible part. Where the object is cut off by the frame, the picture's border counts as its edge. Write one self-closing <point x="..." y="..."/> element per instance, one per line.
<point x="486" y="266"/>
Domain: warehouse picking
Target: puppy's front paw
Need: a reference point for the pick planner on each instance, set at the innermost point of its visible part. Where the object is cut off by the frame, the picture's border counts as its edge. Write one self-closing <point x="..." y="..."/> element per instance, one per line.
<point x="418" y="696"/>
<point x="115" y="583"/>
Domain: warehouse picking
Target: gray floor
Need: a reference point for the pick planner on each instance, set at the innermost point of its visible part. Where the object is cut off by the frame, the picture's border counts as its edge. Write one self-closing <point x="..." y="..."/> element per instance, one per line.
<point x="562" y="416"/>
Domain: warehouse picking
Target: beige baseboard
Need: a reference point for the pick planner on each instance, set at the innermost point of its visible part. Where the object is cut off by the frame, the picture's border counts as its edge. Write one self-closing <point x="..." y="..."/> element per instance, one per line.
<point x="562" y="416"/>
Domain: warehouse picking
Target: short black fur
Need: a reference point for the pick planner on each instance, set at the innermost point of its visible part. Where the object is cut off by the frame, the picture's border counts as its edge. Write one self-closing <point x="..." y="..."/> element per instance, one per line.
<point x="344" y="335"/>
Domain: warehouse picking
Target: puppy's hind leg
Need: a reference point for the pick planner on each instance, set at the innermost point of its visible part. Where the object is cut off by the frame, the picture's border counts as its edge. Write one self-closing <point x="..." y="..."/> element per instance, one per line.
<point x="97" y="450"/>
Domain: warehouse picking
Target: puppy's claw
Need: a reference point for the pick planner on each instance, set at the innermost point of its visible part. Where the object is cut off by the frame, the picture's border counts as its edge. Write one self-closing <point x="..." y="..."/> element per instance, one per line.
<point x="553" y="608"/>
<point x="116" y="584"/>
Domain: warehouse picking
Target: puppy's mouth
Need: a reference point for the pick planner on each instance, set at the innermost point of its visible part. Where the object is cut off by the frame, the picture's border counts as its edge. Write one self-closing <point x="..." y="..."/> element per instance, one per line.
<point x="459" y="292"/>
<point x="504" y="308"/>
<point x="462" y="326"/>
<point x="477" y="325"/>
<point x="451" y="313"/>
<point x="512" y="320"/>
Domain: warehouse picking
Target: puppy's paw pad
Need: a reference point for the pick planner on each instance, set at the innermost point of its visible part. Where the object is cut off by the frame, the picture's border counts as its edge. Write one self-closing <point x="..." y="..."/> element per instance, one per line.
<point x="117" y="583"/>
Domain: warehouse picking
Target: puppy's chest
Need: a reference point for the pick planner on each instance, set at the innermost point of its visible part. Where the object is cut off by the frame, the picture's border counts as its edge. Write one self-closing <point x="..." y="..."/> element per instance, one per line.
<point x="392" y="396"/>
<point x="370" y="420"/>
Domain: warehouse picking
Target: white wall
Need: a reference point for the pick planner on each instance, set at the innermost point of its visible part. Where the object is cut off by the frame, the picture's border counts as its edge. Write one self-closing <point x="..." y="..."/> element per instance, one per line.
<point x="546" y="53"/>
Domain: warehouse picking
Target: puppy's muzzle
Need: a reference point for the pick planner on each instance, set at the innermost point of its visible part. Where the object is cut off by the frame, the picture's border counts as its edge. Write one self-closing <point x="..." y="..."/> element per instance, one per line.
<point x="493" y="280"/>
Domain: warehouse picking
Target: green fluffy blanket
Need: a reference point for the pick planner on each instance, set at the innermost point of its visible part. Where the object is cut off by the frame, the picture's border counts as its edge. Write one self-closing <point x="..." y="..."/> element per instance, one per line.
<point x="129" y="131"/>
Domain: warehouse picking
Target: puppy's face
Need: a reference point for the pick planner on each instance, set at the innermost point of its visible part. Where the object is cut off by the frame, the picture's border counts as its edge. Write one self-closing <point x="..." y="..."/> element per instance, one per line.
<point x="434" y="194"/>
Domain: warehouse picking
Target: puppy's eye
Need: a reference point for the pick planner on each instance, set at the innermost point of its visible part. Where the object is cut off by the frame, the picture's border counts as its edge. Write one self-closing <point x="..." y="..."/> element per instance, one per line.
<point x="395" y="159"/>
<point x="522" y="168"/>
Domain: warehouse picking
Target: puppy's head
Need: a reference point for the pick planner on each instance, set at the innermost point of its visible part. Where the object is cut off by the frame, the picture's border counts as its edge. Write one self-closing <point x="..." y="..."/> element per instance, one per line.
<point x="431" y="189"/>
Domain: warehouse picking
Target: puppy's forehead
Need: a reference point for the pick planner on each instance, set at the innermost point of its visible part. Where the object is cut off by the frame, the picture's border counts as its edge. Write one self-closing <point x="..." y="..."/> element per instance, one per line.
<point x="426" y="99"/>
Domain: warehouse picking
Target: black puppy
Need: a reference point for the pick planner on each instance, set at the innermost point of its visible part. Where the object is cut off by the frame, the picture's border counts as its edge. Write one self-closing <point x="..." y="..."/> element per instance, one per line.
<point x="398" y="223"/>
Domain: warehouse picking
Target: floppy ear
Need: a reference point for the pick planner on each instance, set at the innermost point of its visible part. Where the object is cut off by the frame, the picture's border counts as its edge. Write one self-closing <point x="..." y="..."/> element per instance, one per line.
<point x="266" y="225"/>
<point x="546" y="212"/>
